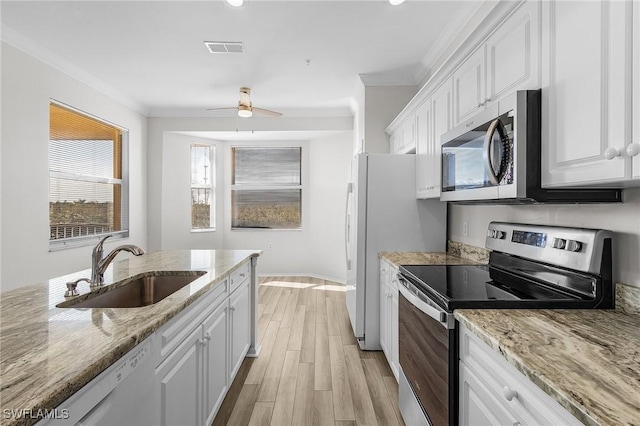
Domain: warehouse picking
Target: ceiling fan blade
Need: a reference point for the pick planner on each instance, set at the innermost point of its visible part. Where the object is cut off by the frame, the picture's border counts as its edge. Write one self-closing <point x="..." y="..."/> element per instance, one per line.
<point x="219" y="109"/>
<point x="267" y="112"/>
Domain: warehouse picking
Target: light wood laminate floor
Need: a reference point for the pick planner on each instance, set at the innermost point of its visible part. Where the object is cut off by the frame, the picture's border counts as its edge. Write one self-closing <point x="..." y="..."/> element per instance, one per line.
<point x="310" y="370"/>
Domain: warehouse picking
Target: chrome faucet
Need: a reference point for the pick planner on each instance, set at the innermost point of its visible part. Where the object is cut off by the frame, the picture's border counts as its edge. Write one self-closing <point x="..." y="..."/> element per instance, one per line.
<point x="99" y="264"/>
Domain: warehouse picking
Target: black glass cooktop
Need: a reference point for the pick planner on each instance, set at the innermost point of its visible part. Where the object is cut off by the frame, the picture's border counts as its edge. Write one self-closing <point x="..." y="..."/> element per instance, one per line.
<point x="464" y="286"/>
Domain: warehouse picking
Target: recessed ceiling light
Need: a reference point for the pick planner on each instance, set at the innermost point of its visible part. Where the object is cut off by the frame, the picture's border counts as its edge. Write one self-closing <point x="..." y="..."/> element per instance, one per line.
<point x="393" y="2"/>
<point x="235" y="3"/>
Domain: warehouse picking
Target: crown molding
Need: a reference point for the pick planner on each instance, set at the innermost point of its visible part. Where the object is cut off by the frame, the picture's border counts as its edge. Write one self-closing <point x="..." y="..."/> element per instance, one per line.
<point x="32" y="48"/>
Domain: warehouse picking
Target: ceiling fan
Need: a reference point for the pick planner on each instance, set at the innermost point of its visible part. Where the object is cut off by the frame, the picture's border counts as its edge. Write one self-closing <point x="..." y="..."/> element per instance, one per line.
<point x="245" y="108"/>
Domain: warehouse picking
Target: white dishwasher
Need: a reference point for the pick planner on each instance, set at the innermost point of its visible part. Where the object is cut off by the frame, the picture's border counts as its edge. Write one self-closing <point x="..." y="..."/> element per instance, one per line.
<point x="122" y="395"/>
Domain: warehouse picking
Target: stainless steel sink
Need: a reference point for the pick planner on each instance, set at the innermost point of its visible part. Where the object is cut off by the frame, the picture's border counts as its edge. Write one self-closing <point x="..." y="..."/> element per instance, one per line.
<point x="140" y="290"/>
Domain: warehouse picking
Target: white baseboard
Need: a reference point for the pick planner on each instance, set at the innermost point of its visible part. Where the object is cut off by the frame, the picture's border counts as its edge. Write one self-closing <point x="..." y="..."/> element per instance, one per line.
<point x="301" y="274"/>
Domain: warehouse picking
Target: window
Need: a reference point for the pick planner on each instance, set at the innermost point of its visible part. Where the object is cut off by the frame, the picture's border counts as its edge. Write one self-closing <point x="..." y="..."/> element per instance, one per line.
<point x="88" y="190"/>
<point x="202" y="187"/>
<point x="266" y="188"/>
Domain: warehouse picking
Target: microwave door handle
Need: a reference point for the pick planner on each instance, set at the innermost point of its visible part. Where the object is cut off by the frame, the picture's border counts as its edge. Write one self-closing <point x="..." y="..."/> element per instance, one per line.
<point x="488" y="142"/>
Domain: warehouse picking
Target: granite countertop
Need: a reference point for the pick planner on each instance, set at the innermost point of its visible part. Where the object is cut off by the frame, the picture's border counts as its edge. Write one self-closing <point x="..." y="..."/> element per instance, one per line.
<point x="49" y="353"/>
<point x="587" y="360"/>
<point x="426" y="258"/>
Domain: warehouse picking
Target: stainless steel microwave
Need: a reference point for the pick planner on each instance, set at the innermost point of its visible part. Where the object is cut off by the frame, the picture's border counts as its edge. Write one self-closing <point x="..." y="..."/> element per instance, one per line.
<point x="496" y="157"/>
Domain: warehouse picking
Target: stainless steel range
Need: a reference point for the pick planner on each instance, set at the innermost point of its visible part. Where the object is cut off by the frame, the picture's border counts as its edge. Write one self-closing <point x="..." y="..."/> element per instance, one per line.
<point x="530" y="267"/>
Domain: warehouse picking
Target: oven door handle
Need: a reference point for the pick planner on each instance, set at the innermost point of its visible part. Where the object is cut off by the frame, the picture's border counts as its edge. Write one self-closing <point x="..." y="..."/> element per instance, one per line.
<point x="446" y="319"/>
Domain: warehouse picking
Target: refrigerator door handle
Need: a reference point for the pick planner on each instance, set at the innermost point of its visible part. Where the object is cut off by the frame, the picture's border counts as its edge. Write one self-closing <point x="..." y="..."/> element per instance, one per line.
<point x="347" y="226"/>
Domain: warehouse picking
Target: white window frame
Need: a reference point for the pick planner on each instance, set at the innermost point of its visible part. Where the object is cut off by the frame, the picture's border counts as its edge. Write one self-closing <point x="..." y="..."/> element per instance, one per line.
<point x="212" y="186"/>
<point x="85" y="240"/>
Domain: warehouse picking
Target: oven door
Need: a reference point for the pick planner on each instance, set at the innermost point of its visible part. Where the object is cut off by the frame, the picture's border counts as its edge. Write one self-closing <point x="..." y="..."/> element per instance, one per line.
<point x="428" y="359"/>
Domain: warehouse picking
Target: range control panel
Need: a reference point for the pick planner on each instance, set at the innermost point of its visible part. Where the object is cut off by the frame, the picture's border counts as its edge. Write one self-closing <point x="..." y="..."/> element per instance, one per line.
<point x="575" y="248"/>
<point x="536" y="239"/>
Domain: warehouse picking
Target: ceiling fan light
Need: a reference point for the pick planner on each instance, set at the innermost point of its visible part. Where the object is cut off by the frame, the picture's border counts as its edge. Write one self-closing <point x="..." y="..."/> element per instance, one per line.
<point x="244" y="111"/>
<point x="235" y="3"/>
<point x="395" y="2"/>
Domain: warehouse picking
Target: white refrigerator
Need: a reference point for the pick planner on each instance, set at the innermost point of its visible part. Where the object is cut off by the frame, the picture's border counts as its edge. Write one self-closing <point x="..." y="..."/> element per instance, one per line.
<point x="383" y="215"/>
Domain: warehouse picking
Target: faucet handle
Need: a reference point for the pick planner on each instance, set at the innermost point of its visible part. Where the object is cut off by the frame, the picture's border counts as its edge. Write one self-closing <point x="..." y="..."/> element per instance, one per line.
<point x="101" y="242"/>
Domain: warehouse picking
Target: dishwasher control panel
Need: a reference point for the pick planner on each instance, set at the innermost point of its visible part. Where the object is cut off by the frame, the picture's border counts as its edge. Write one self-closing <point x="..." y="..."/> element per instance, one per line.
<point x="125" y="367"/>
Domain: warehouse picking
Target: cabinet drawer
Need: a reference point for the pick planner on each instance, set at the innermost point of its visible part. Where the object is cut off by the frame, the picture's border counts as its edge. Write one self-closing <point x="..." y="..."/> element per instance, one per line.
<point x="173" y="333"/>
<point x="238" y="276"/>
<point x="529" y="404"/>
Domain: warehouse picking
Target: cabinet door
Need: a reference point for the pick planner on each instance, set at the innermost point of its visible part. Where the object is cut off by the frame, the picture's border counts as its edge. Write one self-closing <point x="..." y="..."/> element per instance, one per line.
<point x="393" y="324"/>
<point x="409" y="135"/>
<point x="477" y="405"/>
<point x="513" y="53"/>
<point x="239" y="336"/>
<point x="215" y="362"/>
<point x="424" y="153"/>
<point x="469" y="86"/>
<point x="585" y="80"/>
<point x="442" y="111"/>
<point x="384" y="315"/>
<point x="179" y="378"/>
<point x="635" y="140"/>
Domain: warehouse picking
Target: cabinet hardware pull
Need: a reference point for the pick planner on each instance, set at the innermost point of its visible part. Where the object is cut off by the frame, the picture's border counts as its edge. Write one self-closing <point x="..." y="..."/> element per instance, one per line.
<point x="232" y="308"/>
<point x="207" y="336"/>
<point x="509" y="393"/>
<point x="611" y="153"/>
<point x="633" y="149"/>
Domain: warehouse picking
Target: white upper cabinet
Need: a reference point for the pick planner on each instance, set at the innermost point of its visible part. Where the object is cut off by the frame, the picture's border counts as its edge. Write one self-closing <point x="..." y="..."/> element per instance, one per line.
<point x="424" y="153"/>
<point x="469" y="86"/>
<point x="507" y="61"/>
<point x="403" y="140"/>
<point x="587" y="93"/>
<point x="434" y="117"/>
<point x="513" y="53"/>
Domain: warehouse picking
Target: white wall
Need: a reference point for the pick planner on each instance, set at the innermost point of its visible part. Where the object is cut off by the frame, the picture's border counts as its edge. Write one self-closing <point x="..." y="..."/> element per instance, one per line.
<point x="623" y="219"/>
<point x="381" y="105"/>
<point x="27" y="86"/>
<point x="317" y="249"/>
<point x="176" y="197"/>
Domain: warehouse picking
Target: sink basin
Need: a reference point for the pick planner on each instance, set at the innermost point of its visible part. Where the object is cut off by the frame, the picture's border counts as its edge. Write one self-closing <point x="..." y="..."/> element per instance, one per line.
<point x="140" y="290"/>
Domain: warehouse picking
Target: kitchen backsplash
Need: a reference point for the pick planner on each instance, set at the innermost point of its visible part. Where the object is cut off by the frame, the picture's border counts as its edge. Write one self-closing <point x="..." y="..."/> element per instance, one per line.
<point x="477" y="254"/>
<point x="627" y="299"/>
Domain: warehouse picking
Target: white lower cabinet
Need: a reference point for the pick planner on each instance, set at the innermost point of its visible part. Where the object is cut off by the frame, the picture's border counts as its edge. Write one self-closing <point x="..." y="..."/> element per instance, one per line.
<point x="493" y="392"/>
<point x="478" y="406"/>
<point x="215" y="361"/>
<point x="240" y="328"/>
<point x="179" y="380"/>
<point x="389" y="314"/>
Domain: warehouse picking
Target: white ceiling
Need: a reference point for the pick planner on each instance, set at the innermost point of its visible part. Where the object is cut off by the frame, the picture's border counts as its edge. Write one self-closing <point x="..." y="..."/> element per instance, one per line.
<point x="302" y="57"/>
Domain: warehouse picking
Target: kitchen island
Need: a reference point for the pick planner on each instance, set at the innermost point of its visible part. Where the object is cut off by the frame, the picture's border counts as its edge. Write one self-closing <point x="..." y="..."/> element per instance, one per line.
<point x="48" y="353"/>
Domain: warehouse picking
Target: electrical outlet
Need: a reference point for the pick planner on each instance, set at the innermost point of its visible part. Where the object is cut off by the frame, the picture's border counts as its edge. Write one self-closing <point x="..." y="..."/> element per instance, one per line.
<point x="270" y="246"/>
<point x="465" y="228"/>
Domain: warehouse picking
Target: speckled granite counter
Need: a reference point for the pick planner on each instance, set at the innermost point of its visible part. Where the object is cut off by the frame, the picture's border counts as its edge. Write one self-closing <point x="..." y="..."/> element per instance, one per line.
<point x="49" y="353"/>
<point x="587" y="360"/>
<point x="426" y="258"/>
